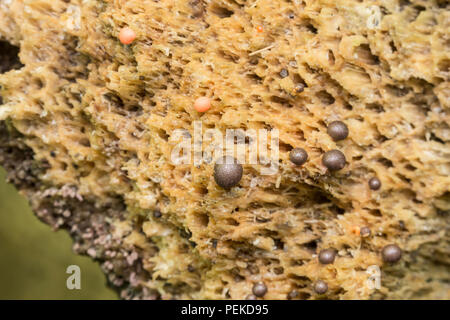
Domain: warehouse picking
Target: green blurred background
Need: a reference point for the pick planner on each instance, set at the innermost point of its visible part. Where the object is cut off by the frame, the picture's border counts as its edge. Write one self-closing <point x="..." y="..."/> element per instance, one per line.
<point x="33" y="258"/>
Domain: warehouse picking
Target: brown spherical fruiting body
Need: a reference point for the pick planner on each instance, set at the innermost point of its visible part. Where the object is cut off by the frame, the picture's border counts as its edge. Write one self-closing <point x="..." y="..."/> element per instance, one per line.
<point x="374" y="183"/>
<point x="337" y="130"/>
<point x="334" y="160"/>
<point x="391" y="253"/>
<point x="298" y="156"/>
<point x="228" y="172"/>
<point x="284" y="73"/>
<point x="293" y="294"/>
<point x="327" y="256"/>
<point x="365" y="232"/>
<point x="320" y="287"/>
<point x="299" y="88"/>
<point x="259" y="289"/>
<point x="157" y="213"/>
<point x="251" y="297"/>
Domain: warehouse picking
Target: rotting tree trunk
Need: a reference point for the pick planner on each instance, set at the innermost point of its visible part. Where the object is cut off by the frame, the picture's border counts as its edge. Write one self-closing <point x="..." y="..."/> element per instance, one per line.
<point x="87" y="125"/>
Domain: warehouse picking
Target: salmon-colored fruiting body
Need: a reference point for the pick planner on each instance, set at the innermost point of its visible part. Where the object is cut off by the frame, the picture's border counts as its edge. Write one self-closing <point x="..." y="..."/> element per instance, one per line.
<point x="202" y="104"/>
<point x="127" y="35"/>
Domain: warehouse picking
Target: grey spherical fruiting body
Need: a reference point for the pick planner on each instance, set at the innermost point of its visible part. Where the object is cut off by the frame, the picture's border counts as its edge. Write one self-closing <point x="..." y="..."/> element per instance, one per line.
<point x="374" y="183"/>
<point x="228" y="172"/>
<point x="391" y="253"/>
<point x="337" y="130"/>
<point x="298" y="156"/>
<point x="259" y="289"/>
<point x="327" y="256"/>
<point x="320" y="287"/>
<point x="334" y="160"/>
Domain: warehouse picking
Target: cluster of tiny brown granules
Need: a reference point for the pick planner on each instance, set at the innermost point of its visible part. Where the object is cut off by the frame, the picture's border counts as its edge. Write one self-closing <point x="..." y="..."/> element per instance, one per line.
<point x="106" y="83"/>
